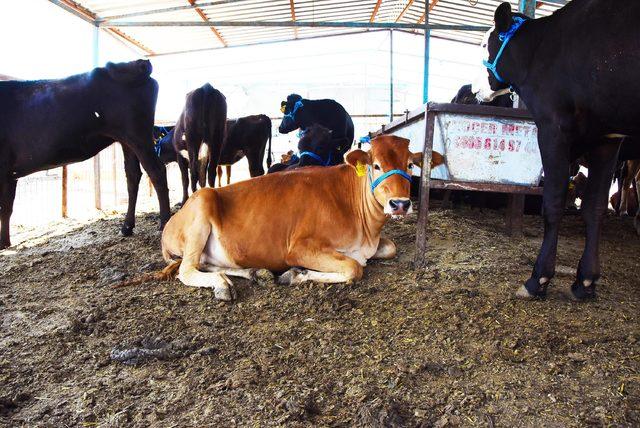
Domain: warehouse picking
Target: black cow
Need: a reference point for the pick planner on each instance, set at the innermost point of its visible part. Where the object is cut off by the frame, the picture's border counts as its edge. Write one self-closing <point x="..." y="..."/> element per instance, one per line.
<point x="465" y="95"/>
<point x="246" y="136"/>
<point x="203" y="121"/>
<point x="578" y="75"/>
<point x="302" y="113"/>
<point x="49" y="123"/>
<point x="315" y="148"/>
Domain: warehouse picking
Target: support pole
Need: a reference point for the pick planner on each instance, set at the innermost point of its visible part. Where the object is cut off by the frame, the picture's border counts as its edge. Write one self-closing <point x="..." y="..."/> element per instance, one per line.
<point x="427" y="36"/>
<point x="64" y="191"/>
<point x="528" y="7"/>
<point x="390" y="75"/>
<point x="96" y="159"/>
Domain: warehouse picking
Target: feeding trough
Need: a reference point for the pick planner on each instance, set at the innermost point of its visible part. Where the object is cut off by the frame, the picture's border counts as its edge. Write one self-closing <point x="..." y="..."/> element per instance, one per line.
<point x="488" y="149"/>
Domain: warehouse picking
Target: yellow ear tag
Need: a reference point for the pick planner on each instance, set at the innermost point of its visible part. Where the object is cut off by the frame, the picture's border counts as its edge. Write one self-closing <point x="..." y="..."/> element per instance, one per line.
<point x="282" y="109"/>
<point x="361" y="169"/>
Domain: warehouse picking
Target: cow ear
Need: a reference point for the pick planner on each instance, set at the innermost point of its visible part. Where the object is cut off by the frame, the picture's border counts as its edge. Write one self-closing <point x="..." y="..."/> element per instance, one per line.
<point x="503" y="17"/>
<point x="436" y="159"/>
<point x="358" y="159"/>
<point x="416" y="159"/>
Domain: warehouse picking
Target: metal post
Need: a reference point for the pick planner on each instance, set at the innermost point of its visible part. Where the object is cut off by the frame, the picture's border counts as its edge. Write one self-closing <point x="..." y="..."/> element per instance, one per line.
<point x="390" y="75"/>
<point x="427" y="36"/>
<point x="64" y="191"/>
<point x="528" y="7"/>
<point x="96" y="159"/>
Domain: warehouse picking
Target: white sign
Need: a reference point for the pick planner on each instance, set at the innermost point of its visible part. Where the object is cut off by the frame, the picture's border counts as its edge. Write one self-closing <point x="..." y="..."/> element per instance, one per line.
<point x="481" y="149"/>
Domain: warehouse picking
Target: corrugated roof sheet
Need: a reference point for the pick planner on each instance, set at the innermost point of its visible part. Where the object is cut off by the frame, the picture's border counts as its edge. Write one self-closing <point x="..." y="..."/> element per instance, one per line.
<point x="164" y="39"/>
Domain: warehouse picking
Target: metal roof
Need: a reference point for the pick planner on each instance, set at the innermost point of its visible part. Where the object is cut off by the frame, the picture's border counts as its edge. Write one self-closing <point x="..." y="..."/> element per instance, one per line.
<point x="169" y="26"/>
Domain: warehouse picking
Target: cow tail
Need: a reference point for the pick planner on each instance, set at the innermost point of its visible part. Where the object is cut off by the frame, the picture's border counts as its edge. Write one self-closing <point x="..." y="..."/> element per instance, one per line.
<point x="165" y="274"/>
<point x="269" y="153"/>
<point x="207" y="93"/>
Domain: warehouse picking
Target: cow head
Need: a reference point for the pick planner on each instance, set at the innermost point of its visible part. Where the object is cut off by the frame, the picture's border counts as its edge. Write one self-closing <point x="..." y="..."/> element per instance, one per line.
<point x="386" y="169"/>
<point x="291" y="109"/>
<point x="498" y="57"/>
<point x="129" y="72"/>
<point x="314" y="147"/>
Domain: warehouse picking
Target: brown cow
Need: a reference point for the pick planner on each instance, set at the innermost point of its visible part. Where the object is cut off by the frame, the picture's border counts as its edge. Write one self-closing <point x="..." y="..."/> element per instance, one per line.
<point x="261" y="223"/>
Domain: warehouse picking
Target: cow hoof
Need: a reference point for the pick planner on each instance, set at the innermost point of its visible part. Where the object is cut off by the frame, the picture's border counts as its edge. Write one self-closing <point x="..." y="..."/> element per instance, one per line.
<point x="4" y="245"/>
<point x="636" y="223"/>
<point x="292" y="276"/>
<point x="580" y="293"/>
<point x="126" y="230"/>
<point x="533" y="289"/>
<point x="262" y="277"/>
<point x="226" y="290"/>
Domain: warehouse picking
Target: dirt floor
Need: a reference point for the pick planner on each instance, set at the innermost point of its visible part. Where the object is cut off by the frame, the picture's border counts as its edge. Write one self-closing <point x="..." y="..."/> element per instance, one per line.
<point x="447" y="347"/>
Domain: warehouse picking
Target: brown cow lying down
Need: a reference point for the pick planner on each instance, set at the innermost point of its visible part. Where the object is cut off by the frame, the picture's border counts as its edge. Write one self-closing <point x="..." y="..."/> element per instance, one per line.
<point x="326" y="221"/>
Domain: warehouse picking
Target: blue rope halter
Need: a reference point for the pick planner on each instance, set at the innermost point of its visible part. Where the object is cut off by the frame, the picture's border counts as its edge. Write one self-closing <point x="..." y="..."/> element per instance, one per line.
<point x="386" y="175"/>
<point x="157" y="146"/>
<point x="292" y="113"/>
<point x="504" y="37"/>
<point x="316" y="157"/>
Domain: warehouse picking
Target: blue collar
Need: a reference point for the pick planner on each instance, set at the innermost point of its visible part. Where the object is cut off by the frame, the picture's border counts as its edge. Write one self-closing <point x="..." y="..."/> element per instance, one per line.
<point x="504" y="38"/>
<point x="316" y="157"/>
<point x="296" y="106"/>
<point x="386" y="175"/>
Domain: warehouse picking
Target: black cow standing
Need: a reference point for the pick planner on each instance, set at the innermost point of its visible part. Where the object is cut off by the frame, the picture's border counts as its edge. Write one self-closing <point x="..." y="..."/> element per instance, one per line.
<point x="203" y="121"/>
<point x="246" y="136"/>
<point x="314" y="147"/>
<point x="465" y="95"/>
<point x="302" y="113"/>
<point x="49" y="123"/>
<point x="578" y="75"/>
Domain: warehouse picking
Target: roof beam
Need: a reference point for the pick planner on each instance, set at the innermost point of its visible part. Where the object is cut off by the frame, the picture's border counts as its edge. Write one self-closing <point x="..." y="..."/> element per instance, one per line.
<point x="424" y="14"/>
<point x="293" y="18"/>
<point x="77" y="10"/>
<point x="205" y="19"/>
<point x="311" y="24"/>
<point x="117" y="33"/>
<point x="406" y="8"/>
<point x="375" y="11"/>
<point x="166" y="10"/>
<point x="89" y="16"/>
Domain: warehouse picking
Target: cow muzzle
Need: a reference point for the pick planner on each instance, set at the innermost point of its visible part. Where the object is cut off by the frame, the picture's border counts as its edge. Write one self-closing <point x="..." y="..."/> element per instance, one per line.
<point x="398" y="207"/>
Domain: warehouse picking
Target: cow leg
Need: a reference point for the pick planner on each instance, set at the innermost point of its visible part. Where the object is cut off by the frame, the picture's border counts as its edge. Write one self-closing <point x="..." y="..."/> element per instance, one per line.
<point x="386" y="249"/>
<point x="156" y="171"/>
<point x="197" y="235"/>
<point x="255" y="159"/>
<point x="554" y="149"/>
<point x="261" y="276"/>
<point x="219" y="175"/>
<point x="636" y="220"/>
<point x="7" y="197"/>
<point x="183" y="164"/>
<point x="626" y="185"/>
<point x="133" y="174"/>
<point x="602" y="161"/>
<point x="229" y="174"/>
<point x="328" y="266"/>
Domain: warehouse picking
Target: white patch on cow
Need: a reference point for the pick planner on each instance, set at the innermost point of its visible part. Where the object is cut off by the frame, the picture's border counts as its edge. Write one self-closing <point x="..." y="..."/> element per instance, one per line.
<point x="222" y="286"/>
<point x="184" y="154"/>
<point x="184" y="137"/>
<point x="214" y="253"/>
<point x="203" y="153"/>
<point x="295" y="277"/>
<point x="480" y="85"/>
<point x="96" y="113"/>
